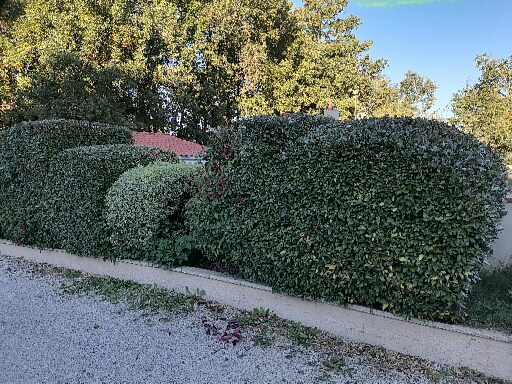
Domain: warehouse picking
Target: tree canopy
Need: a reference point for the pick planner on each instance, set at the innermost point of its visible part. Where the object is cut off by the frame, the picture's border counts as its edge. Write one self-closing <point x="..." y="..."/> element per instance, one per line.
<point x="484" y="109"/>
<point x="127" y="37"/>
<point x="191" y="65"/>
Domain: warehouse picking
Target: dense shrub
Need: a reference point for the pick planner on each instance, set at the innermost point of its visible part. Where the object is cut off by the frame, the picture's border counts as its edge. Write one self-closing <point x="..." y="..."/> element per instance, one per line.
<point x="74" y="199"/>
<point x="3" y="136"/>
<point x="25" y="157"/>
<point x="4" y="179"/>
<point x="3" y="157"/>
<point x="396" y="214"/>
<point x="144" y="212"/>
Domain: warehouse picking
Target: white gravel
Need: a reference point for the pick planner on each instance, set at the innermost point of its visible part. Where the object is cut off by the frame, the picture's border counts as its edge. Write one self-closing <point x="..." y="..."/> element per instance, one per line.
<point x="46" y="337"/>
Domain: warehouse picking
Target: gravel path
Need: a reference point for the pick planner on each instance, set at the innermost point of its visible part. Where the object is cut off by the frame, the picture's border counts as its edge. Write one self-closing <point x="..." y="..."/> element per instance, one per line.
<point x="48" y="337"/>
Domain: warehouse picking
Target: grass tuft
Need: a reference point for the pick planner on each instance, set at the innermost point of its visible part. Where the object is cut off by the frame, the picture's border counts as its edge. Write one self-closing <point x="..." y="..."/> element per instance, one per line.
<point x="137" y="296"/>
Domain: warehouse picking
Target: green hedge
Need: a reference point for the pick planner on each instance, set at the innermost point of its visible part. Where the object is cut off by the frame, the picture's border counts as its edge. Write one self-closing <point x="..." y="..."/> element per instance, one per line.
<point x="74" y="199"/>
<point x="3" y="138"/>
<point x="4" y="180"/>
<point x="145" y="212"/>
<point x="396" y="214"/>
<point x="27" y="152"/>
<point x="3" y="158"/>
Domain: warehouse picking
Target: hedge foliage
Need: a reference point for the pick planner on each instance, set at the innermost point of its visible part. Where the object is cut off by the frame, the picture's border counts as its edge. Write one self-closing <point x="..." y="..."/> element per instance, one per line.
<point x="74" y="197"/>
<point x="397" y="214"/>
<point x="144" y="212"/>
<point x="27" y="151"/>
<point x="3" y="158"/>
<point x="4" y="180"/>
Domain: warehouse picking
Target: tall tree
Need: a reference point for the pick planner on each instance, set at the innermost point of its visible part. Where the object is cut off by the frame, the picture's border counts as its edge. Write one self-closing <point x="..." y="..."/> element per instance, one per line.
<point x="417" y="92"/>
<point x="135" y="38"/>
<point x="231" y="40"/>
<point x="171" y="57"/>
<point x="10" y="10"/>
<point x="484" y="109"/>
<point x="191" y="65"/>
<point x="414" y="96"/>
<point x="66" y="86"/>
<point x="327" y="65"/>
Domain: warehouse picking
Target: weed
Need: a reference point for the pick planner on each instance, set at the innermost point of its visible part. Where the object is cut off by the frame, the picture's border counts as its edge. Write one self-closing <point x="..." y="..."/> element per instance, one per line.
<point x="301" y="335"/>
<point x="335" y="364"/>
<point x="137" y="296"/>
<point x="264" y="340"/>
<point x="256" y="317"/>
<point x="266" y="324"/>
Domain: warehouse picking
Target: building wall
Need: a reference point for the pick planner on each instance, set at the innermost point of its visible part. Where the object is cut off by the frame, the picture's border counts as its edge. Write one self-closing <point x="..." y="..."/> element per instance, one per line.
<point x="502" y="249"/>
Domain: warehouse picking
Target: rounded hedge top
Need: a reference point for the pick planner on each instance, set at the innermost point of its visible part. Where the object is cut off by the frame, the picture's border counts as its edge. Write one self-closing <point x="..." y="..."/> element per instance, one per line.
<point x="74" y="199"/>
<point x="28" y="149"/>
<point x="145" y="205"/>
<point x="31" y="145"/>
<point x="397" y="214"/>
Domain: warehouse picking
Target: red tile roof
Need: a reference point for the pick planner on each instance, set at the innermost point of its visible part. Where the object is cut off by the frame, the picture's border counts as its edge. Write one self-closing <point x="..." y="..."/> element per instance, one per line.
<point x="167" y="142"/>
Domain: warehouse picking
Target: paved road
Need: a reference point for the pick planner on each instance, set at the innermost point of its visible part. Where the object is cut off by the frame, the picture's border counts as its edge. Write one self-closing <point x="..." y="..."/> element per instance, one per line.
<point x="46" y="337"/>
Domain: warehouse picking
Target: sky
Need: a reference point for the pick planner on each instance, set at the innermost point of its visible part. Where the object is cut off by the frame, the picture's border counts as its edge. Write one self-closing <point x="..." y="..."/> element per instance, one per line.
<point x="435" y="38"/>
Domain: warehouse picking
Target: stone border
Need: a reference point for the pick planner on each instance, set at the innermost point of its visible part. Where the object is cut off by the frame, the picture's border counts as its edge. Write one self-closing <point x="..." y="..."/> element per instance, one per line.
<point x="486" y="351"/>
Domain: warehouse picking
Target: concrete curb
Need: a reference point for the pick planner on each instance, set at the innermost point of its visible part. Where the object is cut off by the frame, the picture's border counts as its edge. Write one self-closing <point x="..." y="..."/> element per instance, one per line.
<point x="486" y="351"/>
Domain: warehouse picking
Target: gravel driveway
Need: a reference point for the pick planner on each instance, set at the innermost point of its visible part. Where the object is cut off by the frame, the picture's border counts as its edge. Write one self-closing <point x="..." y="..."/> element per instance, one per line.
<point x="49" y="337"/>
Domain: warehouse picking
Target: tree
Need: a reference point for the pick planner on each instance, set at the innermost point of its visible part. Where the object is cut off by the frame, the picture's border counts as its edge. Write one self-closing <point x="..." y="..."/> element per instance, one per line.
<point x="418" y="92"/>
<point x="232" y="41"/>
<point x="414" y="96"/>
<point x="326" y="64"/>
<point x="135" y="38"/>
<point x="10" y="10"/>
<point x="191" y="66"/>
<point x="67" y="87"/>
<point x="170" y="57"/>
<point x="484" y="109"/>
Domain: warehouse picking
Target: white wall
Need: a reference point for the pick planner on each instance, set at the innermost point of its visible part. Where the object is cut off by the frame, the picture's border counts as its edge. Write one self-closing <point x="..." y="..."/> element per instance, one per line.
<point x="503" y="245"/>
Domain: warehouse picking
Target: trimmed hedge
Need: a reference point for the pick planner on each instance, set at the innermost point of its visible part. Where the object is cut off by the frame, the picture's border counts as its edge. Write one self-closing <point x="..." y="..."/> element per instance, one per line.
<point x="74" y="199"/>
<point x="144" y="212"/>
<point x="3" y="140"/>
<point x="28" y="149"/>
<point x="396" y="214"/>
<point x="4" y="179"/>
<point x="31" y="145"/>
<point x="3" y="157"/>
